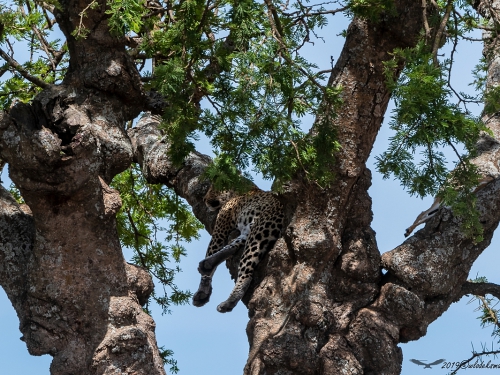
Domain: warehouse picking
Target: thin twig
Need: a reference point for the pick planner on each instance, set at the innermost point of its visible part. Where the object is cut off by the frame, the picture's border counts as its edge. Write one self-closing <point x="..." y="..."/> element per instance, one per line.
<point x="298" y="156"/>
<point x="456" y="151"/>
<point x="50" y="22"/>
<point x="491" y="312"/>
<point x="277" y="35"/>
<point x="82" y="14"/>
<point x="318" y="13"/>
<point x="45" y="45"/>
<point x="474" y="356"/>
<point x="452" y="55"/>
<point x="473" y="39"/>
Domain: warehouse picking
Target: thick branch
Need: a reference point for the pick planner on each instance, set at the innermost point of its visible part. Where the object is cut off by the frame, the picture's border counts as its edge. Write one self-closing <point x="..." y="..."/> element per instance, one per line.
<point x="360" y="73"/>
<point x="150" y="150"/>
<point x="440" y="31"/>
<point x="435" y="263"/>
<point x="481" y="289"/>
<point x="58" y="294"/>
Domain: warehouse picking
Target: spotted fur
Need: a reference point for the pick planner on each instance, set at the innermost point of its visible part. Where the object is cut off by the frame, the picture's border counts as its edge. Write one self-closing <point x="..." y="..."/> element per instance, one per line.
<point x="254" y="220"/>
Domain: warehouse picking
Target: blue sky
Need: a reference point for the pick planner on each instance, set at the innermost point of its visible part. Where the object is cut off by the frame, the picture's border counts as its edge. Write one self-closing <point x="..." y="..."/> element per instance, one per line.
<point x="207" y="342"/>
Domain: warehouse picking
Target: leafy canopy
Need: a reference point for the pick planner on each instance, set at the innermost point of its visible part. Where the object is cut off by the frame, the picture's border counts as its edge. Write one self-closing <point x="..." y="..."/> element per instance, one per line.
<point x="431" y="116"/>
<point x="234" y="71"/>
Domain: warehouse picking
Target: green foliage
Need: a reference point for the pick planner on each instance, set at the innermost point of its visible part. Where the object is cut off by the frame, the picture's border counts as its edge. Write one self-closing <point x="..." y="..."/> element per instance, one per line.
<point x="479" y="74"/>
<point x="126" y="15"/>
<point x="492" y="101"/>
<point x="489" y="316"/>
<point x="154" y="223"/>
<point x="257" y="87"/>
<point x="424" y="118"/>
<point x="457" y="192"/>
<point x="424" y="121"/>
<point x="223" y="174"/>
<point x="16" y="89"/>
<point x="148" y="212"/>
<point x="14" y="191"/>
<point x="26" y="24"/>
<point x="233" y="71"/>
<point x="167" y="357"/>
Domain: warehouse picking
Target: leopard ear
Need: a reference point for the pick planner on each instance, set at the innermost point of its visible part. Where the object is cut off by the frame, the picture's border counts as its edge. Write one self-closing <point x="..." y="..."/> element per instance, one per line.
<point x="216" y="199"/>
<point x="213" y="204"/>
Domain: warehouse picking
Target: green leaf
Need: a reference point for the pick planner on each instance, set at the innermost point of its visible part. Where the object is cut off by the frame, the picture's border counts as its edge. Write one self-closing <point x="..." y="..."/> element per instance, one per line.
<point x="154" y="222"/>
<point x="424" y="121"/>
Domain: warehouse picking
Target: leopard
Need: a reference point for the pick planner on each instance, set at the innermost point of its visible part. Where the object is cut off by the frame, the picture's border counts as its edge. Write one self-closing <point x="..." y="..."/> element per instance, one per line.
<point x="253" y="220"/>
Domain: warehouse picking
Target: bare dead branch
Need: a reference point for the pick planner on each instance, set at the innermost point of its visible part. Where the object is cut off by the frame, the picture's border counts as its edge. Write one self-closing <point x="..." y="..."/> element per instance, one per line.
<point x="274" y="20"/>
<point x="46" y="6"/>
<point x="323" y="12"/>
<point x="58" y="55"/>
<point x="426" y="22"/>
<point x="50" y="22"/>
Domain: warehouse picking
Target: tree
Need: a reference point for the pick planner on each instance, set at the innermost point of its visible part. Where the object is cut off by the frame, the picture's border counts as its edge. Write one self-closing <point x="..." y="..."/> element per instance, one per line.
<point x="65" y="133"/>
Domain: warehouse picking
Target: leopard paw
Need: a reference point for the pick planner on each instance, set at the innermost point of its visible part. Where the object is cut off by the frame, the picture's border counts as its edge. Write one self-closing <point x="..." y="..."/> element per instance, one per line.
<point x="226" y="306"/>
<point x="202" y="296"/>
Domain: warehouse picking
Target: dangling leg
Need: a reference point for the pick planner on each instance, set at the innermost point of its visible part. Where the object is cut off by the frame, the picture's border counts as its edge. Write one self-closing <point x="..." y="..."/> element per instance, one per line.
<point x="254" y="252"/>
<point x="261" y="239"/>
<point x="208" y="266"/>
<point x="424" y="216"/>
<point x="237" y="294"/>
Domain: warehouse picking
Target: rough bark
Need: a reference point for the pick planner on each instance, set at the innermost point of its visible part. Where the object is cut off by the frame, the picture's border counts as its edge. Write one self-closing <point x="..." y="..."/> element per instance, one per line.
<point x="62" y="265"/>
<point x="321" y="295"/>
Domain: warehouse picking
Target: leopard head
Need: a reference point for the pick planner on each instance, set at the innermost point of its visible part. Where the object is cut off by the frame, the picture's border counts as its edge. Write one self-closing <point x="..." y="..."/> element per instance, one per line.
<point x="214" y="199"/>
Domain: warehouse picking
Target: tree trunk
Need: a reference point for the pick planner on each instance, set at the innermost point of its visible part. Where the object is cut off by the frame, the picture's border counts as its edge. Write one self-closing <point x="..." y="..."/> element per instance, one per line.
<point x="63" y="268"/>
<point x="322" y="304"/>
